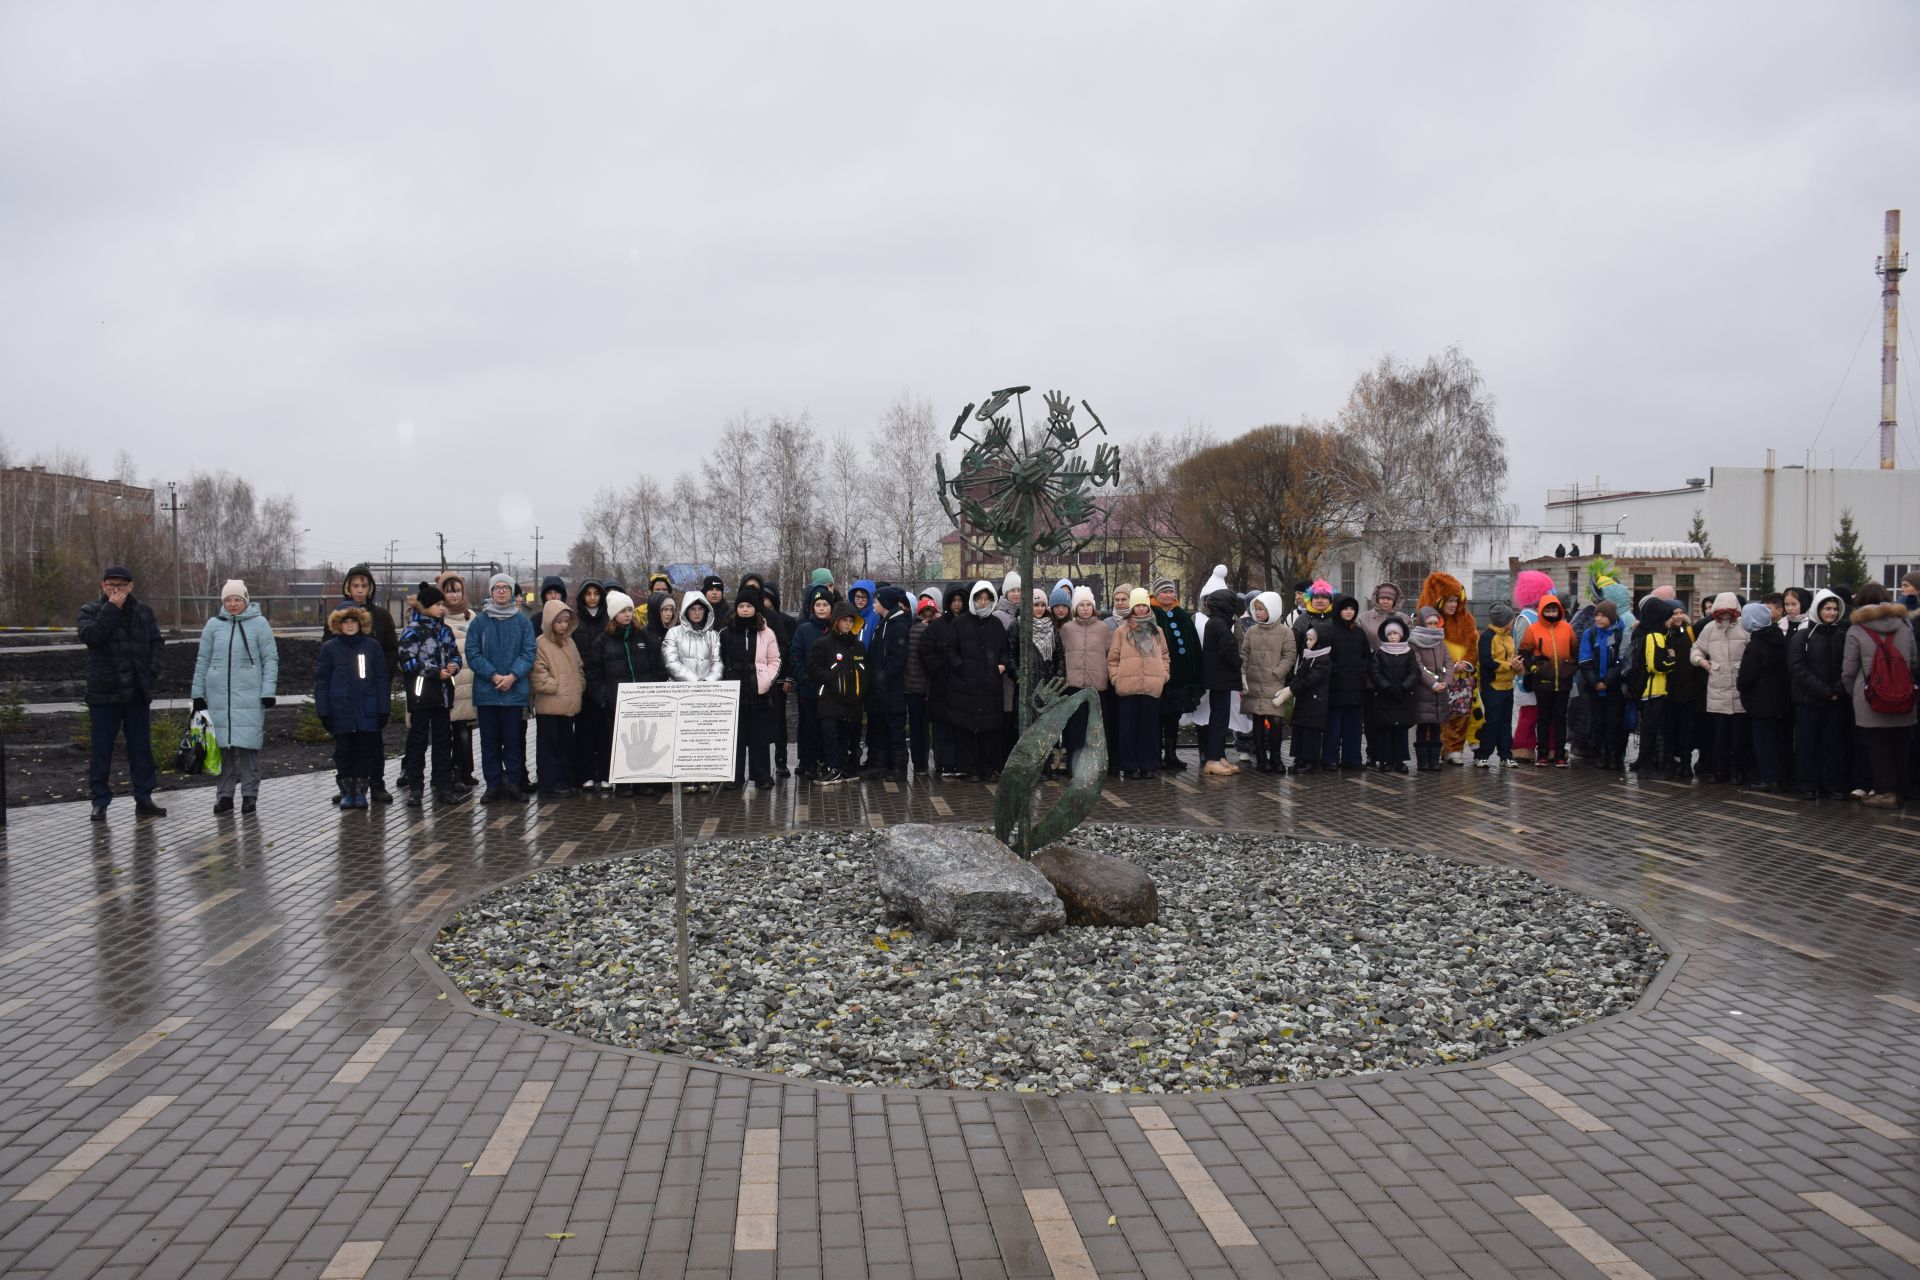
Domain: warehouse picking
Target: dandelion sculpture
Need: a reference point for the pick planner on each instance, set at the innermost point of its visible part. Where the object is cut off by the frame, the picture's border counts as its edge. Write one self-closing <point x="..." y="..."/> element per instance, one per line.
<point x="1031" y="496"/>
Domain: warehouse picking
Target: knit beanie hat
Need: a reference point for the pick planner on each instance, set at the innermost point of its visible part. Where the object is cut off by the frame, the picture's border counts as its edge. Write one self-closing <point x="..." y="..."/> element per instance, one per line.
<point x="1137" y="597"/>
<point x="1011" y="582"/>
<point x="1500" y="614"/>
<point x="1163" y="586"/>
<point x="235" y="587"/>
<point x="711" y="582"/>
<point x="618" y="602"/>
<point x="1608" y="610"/>
<point x="820" y="578"/>
<point x="426" y="595"/>
<point x="1061" y="596"/>
<point x="1755" y="617"/>
<point x="500" y="580"/>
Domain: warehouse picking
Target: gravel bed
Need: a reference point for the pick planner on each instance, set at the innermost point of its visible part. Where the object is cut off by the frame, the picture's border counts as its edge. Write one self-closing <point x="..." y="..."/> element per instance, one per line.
<point x="1275" y="959"/>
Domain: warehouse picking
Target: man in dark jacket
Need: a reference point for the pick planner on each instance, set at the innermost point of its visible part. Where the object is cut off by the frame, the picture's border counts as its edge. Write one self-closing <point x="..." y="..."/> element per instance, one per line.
<point x="887" y="707"/>
<point x="359" y="591"/>
<point x="123" y="666"/>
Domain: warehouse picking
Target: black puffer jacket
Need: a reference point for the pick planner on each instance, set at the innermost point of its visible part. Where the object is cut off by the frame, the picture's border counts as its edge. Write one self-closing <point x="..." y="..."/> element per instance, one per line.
<point x="1764" y="683"/>
<point x="589" y="624"/>
<point x="968" y="655"/>
<point x="1816" y="655"/>
<point x="887" y="656"/>
<point x="1309" y="682"/>
<point x="626" y="655"/>
<point x="1391" y="681"/>
<point x="739" y="647"/>
<point x="1348" y="687"/>
<point x="123" y="651"/>
<point x="836" y="671"/>
<point x="1220" y="646"/>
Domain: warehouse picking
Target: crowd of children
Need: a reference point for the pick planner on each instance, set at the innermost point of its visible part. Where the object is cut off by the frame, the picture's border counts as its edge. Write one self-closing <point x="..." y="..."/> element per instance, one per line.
<point x="1808" y="693"/>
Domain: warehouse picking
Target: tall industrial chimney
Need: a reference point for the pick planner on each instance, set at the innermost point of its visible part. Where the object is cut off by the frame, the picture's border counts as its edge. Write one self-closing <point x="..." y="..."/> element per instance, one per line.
<point x="1891" y="266"/>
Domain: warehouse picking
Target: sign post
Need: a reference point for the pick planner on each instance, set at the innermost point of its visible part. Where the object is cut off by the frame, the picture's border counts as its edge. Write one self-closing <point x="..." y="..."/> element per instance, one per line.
<point x="676" y="733"/>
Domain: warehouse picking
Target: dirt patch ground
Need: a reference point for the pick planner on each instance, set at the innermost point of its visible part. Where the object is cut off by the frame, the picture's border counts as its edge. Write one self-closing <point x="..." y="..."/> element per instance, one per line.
<point x="47" y="759"/>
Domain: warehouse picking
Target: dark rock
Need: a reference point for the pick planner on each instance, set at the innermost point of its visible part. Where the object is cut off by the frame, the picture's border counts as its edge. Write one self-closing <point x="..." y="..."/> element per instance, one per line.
<point x="1099" y="889"/>
<point x="955" y="883"/>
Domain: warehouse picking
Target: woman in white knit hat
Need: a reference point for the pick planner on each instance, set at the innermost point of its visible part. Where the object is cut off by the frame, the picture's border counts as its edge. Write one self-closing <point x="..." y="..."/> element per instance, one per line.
<point x="233" y="682"/>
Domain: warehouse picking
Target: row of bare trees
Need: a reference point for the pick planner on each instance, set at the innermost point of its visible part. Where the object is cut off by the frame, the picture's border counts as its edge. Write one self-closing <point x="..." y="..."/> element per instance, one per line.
<point x="778" y="494"/>
<point x="60" y="524"/>
<point x="1413" y="462"/>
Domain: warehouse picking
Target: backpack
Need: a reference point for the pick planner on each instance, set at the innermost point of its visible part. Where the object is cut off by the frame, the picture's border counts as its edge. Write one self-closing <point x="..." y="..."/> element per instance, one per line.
<point x="1889" y="687"/>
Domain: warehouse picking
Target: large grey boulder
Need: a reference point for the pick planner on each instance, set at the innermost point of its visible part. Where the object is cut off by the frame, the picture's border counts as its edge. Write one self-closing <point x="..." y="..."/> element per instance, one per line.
<point x="955" y="883"/>
<point x="1098" y="889"/>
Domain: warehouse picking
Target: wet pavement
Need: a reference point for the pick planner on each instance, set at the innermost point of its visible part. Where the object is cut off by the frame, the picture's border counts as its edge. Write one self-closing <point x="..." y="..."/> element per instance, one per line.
<point x="221" y="1054"/>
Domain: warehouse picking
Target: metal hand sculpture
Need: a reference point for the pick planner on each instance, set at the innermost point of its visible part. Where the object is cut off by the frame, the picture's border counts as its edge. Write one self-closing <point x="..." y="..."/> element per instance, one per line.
<point x="1030" y="496"/>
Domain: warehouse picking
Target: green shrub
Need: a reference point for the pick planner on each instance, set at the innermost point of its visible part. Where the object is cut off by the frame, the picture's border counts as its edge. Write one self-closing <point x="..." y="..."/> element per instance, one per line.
<point x="165" y="736"/>
<point x="310" y="729"/>
<point x="13" y="709"/>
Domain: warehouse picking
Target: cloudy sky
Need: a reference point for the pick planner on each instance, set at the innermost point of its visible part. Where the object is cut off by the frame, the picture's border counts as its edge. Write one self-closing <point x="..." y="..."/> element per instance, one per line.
<point x="450" y="267"/>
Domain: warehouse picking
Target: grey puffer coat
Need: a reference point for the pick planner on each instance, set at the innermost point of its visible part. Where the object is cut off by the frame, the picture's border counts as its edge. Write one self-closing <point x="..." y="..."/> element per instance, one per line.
<point x="1891" y="622"/>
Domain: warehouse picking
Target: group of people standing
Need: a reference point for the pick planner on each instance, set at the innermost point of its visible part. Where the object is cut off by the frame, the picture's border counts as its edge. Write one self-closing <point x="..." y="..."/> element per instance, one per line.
<point x="1803" y="692"/>
<point x="1811" y="693"/>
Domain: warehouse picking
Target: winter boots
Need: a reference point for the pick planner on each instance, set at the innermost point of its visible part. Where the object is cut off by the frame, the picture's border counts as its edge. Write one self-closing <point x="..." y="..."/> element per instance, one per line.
<point x="353" y="793"/>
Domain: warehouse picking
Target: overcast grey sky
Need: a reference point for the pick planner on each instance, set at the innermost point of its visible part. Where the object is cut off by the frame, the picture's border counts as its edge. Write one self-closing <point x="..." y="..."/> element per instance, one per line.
<point x="449" y="267"/>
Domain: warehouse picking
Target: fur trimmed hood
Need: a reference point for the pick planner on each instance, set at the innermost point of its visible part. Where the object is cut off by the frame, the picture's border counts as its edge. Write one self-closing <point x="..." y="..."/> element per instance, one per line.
<point x="364" y="618"/>
<point x="1868" y="614"/>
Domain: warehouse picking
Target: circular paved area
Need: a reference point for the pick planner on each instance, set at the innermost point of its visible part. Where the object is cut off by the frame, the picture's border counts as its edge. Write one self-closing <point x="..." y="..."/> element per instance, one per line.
<point x="220" y="1055"/>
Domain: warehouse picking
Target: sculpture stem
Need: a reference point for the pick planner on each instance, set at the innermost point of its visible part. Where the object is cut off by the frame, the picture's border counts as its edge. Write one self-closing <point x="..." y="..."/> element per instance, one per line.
<point x="1023" y="622"/>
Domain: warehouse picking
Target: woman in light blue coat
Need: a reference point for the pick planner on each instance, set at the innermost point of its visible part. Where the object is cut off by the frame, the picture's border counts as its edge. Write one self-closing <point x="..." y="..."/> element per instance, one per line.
<point x="233" y="682"/>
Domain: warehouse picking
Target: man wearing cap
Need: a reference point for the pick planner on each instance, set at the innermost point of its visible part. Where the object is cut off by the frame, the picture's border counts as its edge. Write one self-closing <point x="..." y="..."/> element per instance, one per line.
<point x="123" y="665"/>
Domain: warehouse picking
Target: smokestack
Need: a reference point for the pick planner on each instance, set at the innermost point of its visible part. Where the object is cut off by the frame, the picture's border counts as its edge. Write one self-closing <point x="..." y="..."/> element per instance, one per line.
<point x="1891" y="266"/>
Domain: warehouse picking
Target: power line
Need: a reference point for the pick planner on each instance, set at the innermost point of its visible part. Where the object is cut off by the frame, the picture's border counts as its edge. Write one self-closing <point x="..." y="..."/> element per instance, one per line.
<point x="1843" y="377"/>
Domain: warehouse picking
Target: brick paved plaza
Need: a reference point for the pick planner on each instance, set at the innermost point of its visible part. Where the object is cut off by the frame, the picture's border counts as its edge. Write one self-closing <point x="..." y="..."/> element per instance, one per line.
<point x="221" y="1054"/>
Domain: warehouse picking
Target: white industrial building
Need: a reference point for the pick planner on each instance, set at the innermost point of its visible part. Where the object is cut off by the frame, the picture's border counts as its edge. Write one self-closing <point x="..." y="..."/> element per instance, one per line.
<point x="1754" y="515"/>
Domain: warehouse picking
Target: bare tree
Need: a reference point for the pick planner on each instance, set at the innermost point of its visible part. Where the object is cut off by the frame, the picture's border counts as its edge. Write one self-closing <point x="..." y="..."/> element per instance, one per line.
<point x="227" y="531"/>
<point x="907" y="510"/>
<point x="1421" y="458"/>
<point x="730" y="473"/>
<point x="1151" y="508"/>
<point x="1269" y="504"/>
<point x="793" y="458"/>
<point x="642" y="526"/>
<point x="847" y="498"/>
<point x="688" y="503"/>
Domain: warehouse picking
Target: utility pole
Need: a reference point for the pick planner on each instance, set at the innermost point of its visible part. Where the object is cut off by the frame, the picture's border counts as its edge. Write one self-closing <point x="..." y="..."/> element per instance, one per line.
<point x="535" y="575"/>
<point x="393" y="544"/>
<point x="173" y="505"/>
<point x="443" y="551"/>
